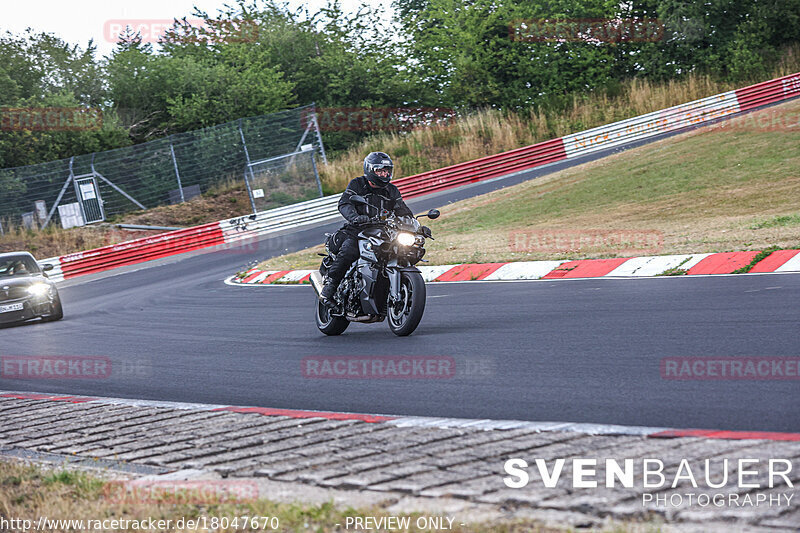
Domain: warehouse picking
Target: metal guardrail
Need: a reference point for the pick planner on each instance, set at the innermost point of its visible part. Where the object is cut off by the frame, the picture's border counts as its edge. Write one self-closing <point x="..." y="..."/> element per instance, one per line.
<point x="280" y="219"/>
<point x="482" y="169"/>
<point x="149" y="228"/>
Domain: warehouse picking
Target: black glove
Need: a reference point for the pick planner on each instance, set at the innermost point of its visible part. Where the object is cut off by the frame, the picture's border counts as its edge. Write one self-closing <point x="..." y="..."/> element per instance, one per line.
<point x="361" y="219"/>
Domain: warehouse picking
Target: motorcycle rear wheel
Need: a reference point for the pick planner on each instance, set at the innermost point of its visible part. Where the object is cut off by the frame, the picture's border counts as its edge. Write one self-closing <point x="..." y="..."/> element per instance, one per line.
<point x="404" y="315"/>
<point x="327" y="324"/>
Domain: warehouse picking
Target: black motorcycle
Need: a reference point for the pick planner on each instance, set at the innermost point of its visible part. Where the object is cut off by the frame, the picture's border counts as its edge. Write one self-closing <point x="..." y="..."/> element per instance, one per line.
<point x="383" y="282"/>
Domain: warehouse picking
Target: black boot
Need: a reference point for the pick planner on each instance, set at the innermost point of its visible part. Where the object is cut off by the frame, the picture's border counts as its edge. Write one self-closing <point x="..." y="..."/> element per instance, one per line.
<point x="328" y="290"/>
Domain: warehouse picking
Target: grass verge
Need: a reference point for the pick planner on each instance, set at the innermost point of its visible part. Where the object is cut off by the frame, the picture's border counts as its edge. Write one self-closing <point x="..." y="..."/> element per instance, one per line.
<point x="29" y="492"/>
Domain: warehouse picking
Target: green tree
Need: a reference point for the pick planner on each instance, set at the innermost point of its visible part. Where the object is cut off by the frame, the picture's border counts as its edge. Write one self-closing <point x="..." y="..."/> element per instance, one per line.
<point x="472" y="54"/>
<point x="42" y="71"/>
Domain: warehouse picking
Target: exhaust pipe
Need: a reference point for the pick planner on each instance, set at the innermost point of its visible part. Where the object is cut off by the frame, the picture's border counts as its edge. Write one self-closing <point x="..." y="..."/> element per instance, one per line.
<point x="316" y="282"/>
<point x="363" y="318"/>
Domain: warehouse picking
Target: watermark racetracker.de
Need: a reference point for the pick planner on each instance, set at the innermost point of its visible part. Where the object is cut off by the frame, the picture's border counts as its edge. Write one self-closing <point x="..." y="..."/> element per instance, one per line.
<point x="189" y="30"/>
<point x="50" y="367"/>
<point x="587" y="30"/>
<point x="50" y="118"/>
<point x="764" y="120"/>
<point x="559" y="241"/>
<point x="377" y="118"/>
<point x="730" y="368"/>
<point x="181" y="492"/>
<point x="395" y="367"/>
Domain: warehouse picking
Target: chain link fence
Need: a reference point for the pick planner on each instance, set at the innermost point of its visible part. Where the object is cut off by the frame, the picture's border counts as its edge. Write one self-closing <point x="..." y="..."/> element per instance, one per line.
<point x="171" y="170"/>
<point x="284" y="179"/>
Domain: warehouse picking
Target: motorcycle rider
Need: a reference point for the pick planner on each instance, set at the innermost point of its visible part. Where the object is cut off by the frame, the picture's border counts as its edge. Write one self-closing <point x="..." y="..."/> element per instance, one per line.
<point x="374" y="186"/>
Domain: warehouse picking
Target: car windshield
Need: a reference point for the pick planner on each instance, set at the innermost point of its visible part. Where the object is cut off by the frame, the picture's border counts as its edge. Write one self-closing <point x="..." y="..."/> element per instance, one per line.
<point x="20" y="265"/>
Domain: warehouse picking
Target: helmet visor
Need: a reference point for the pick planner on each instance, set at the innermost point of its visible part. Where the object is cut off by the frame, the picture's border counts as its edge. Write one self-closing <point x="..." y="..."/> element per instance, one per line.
<point x="381" y="171"/>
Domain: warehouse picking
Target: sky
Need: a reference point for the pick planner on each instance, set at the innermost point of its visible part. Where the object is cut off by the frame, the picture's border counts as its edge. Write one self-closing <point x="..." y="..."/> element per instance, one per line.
<point x="77" y="21"/>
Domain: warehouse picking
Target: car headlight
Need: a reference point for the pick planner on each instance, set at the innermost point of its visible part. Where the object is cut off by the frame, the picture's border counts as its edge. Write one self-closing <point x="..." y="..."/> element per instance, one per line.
<point x="38" y="289"/>
<point x="405" y="239"/>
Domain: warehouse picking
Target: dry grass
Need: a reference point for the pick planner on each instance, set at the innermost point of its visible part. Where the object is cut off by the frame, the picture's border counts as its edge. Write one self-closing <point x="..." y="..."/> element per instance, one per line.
<point x="29" y="492"/>
<point x="710" y="190"/>
<point x="489" y="132"/>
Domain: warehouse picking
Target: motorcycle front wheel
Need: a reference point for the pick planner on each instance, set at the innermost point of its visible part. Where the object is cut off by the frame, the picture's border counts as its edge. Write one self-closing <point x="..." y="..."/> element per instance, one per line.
<point x="327" y="324"/>
<point x="405" y="314"/>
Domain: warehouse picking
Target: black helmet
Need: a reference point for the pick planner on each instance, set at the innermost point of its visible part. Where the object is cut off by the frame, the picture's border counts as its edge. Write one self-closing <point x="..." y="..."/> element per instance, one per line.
<point x="376" y="161"/>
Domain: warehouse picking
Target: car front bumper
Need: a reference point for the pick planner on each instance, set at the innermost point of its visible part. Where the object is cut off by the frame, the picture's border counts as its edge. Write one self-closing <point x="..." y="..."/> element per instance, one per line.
<point x="31" y="309"/>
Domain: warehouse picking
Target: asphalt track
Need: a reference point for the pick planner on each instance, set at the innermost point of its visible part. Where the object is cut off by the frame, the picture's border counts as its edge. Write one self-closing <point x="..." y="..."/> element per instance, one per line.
<point x="566" y="350"/>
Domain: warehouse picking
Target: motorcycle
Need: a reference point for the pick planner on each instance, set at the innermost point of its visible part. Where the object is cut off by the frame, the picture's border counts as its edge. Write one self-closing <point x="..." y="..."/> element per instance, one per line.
<point x="383" y="282"/>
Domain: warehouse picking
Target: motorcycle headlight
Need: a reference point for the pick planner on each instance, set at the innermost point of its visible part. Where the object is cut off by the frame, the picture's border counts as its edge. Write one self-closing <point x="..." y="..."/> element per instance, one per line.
<point x="38" y="289"/>
<point x="405" y="239"/>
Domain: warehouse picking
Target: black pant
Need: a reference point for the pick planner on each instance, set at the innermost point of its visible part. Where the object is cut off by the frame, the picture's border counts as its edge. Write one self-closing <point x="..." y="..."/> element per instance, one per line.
<point x="348" y="252"/>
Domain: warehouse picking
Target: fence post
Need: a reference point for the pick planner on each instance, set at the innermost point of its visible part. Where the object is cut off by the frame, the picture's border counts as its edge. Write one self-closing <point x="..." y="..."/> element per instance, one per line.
<point x="175" y="164"/>
<point x="316" y="174"/>
<point x="60" y="194"/>
<point x="319" y="138"/>
<point x="247" y="157"/>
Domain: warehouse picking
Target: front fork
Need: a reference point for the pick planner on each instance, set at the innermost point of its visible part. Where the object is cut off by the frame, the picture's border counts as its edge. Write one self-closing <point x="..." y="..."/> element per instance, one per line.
<point x="394" y="284"/>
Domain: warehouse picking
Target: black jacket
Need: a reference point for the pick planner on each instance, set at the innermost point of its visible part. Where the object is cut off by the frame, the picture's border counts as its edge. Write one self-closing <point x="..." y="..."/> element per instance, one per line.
<point x="388" y="198"/>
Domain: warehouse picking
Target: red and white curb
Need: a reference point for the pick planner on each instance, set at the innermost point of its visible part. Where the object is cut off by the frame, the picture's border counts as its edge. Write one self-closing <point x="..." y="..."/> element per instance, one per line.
<point x="632" y="267"/>
<point x="421" y="421"/>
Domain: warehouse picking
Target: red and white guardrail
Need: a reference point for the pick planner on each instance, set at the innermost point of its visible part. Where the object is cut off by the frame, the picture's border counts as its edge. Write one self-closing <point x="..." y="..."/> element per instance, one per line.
<point x="692" y="264"/>
<point x="324" y="209"/>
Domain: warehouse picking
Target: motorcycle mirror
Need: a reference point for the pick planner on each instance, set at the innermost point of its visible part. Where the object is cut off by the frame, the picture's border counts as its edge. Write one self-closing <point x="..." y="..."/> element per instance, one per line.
<point x="356" y="199"/>
<point x="433" y="213"/>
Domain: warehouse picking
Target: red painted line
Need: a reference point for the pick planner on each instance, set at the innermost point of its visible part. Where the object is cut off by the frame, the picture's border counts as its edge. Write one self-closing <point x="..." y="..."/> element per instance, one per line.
<point x="730" y="435"/>
<point x="774" y="261"/>
<point x="724" y="263"/>
<point x="293" y="413"/>
<point x="33" y="396"/>
<point x="304" y="278"/>
<point x="273" y="277"/>
<point x="469" y="272"/>
<point x="585" y="268"/>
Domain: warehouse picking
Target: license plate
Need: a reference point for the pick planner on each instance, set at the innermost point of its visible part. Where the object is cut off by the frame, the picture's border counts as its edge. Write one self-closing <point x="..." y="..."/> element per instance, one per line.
<point x="11" y="307"/>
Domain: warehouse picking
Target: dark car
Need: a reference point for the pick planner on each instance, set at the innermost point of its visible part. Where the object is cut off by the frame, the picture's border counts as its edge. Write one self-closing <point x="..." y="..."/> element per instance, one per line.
<point x="25" y="291"/>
